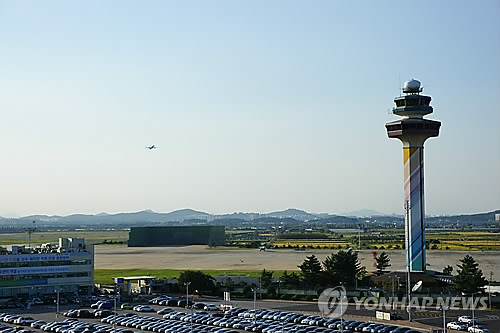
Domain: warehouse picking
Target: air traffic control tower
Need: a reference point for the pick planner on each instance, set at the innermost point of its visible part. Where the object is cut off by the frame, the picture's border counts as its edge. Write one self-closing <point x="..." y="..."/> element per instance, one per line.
<point x="413" y="130"/>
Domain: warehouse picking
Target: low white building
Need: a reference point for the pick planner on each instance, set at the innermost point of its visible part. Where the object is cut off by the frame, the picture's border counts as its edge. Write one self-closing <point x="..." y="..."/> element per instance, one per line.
<point x="67" y="267"/>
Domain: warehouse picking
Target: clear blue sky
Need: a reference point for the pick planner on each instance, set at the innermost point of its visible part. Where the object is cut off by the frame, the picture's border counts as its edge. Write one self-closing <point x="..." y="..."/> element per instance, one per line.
<point x="254" y="105"/>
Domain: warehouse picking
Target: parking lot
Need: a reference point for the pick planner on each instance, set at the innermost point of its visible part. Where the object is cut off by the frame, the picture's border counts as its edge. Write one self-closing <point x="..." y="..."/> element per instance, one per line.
<point x="179" y="320"/>
<point x="285" y="318"/>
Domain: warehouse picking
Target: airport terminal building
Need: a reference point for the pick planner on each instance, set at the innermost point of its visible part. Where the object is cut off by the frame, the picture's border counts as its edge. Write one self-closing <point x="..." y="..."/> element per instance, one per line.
<point x="66" y="267"/>
<point x="177" y="235"/>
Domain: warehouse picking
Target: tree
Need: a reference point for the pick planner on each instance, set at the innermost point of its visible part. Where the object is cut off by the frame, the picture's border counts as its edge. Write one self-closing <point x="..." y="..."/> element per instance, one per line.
<point x="448" y="270"/>
<point x="343" y="267"/>
<point x="266" y="278"/>
<point x="382" y="262"/>
<point x="469" y="278"/>
<point x="200" y="281"/>
<point x="310" y="270"/>
<point x="291" y="280"/>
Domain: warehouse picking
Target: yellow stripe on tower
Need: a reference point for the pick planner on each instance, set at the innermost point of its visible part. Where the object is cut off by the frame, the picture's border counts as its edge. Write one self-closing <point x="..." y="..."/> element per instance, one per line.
<point x="407" y="152"/>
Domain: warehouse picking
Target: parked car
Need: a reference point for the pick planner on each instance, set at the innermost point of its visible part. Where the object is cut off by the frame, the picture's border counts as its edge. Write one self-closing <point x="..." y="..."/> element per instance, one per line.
<point x="126" y="306"/>
<point x="165" y="311"/>
<point x="211" y="307"/>
<point x="467" y="320"/>
<point x="143" y="308"/>
<point x="103" y="313"/>
<point x="455" y="325"/>
<point x="82" y="313"/>
<point x="105" y="306"/>
<point x="24" y="320"/>
<point x="477" y="329"/>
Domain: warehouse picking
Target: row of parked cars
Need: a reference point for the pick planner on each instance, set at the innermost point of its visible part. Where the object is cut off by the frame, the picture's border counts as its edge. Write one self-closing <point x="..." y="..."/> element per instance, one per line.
<point x="69" y="325"/>
<point x="302" y="323"/>
<point x="467" y="323"/>
<point x="172" y="301"/>
<point x="260" y="321"/>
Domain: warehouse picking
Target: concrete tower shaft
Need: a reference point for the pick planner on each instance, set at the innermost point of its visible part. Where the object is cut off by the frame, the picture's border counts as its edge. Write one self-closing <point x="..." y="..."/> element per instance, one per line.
<point x="413" y="130"/>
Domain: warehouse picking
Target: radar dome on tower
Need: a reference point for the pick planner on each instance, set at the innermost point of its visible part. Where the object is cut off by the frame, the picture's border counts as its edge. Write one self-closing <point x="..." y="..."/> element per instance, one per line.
<point x="412" y="86"/>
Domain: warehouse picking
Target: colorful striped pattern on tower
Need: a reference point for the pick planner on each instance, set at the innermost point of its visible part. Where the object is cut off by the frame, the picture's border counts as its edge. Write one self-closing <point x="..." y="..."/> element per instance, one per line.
<point x="414" y="197"/>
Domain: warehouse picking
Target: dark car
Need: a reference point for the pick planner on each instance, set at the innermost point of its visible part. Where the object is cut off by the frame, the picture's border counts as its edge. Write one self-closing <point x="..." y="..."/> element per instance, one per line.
<point x="400" y="330"/>
<point x="103" y="313"/>
<point x="182" y="303"/>
<point x="396" y="316"/>
<point x="82" y="313"/>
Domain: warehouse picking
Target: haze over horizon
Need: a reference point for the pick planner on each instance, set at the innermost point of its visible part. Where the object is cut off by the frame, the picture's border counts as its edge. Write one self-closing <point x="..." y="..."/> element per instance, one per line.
<point x="254" y="106"/>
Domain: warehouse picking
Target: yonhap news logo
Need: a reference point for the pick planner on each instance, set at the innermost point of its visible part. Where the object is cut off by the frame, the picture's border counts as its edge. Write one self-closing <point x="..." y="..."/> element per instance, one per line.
<point x="333" y="302"/>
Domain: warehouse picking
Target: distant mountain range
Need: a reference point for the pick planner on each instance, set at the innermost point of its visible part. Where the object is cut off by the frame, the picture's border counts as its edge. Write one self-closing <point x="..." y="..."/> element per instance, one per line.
<point x="175" y="216"/>
<point x="194" y="216"/>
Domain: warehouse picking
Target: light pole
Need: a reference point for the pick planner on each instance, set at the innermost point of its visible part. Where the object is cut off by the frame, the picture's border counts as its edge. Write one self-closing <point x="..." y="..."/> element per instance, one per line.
<point x="187" y="292"/>
<point x="341" y="310"/>
<point x="254" y="304"/>
<point x="57" y="304"/>
<point x="187" y="304"/>
<point x="408" y="258"/>
<point x="444" y="317"/>
<point x="473" y="306"/>
<point x="489" y="290"/>
<point x="114" y="317"/>
<point x="392" y="277"/>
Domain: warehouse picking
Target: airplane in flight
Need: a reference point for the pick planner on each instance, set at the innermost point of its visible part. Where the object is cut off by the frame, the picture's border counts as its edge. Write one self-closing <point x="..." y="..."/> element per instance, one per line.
<point x="151" y="147"/>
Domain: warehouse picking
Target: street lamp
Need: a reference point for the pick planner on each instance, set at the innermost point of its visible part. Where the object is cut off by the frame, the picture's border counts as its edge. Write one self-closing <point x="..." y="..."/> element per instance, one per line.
<point x="408" y="260"/>
<point x="57" y="304"/>
<point x="254" y="304"/>
<point x="341" y="310"/>
<point x="489" y="290"/>
<point x="444" y="308"/>
<point x="187" y="304"/>
<point x="114" y="317"/>
<point x="473" y="305"/>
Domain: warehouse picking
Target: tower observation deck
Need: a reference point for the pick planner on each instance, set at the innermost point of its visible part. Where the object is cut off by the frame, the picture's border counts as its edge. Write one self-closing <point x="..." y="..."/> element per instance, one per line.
<point x="413" y="130"/>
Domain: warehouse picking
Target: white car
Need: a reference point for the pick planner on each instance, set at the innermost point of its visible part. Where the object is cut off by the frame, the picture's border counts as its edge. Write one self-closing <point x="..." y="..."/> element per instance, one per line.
<point x="467" y="320"/>
<point x="165" y="311"/>
<point x="455" y="325"/>
<point x="477" y="329"/>
<point x="143" y="308"/>
<point x="211" y="307"/>
<point x="24" y="320"/>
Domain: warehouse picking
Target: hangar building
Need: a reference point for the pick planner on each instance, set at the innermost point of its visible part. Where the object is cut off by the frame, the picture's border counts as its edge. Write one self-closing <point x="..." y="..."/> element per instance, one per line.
<point x="177" y="235"/>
